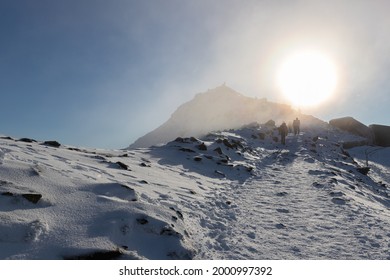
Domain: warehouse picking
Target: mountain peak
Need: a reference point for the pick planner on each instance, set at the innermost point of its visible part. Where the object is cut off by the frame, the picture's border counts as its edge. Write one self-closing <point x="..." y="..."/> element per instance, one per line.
<point x="216" y="109"/>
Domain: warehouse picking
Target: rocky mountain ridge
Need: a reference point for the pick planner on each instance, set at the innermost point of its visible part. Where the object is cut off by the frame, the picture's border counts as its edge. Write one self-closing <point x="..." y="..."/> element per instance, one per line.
<point x="215" y="110"/>
<point x="223" y="108"/>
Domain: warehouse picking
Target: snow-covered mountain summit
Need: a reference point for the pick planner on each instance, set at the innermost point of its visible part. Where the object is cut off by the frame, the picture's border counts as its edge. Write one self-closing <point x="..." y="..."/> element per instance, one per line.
<point x="215" y="110"/>
<point x="234" y="194"/>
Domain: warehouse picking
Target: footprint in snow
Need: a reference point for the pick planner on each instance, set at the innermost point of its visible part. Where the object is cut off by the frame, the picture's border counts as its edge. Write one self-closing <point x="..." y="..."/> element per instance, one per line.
<point x="280" y="226"/>
<point x="338" y="201"/>
<point x="316" y="172"/>
<point x="336" y="194"/>
<point x="282" y="194"/>
<point x="283" y="210"/>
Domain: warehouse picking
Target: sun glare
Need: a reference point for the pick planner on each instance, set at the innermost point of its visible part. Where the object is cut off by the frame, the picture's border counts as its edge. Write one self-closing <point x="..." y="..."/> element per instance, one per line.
<point x="307" y="78"/>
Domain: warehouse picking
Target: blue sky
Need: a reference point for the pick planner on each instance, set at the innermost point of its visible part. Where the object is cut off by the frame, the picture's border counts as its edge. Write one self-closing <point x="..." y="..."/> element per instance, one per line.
<point x="102" y="73"/>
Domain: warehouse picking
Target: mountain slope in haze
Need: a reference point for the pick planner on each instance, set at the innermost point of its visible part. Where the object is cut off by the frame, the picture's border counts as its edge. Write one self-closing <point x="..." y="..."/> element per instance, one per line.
<point x="217" y="109"/>
<point x="236" y="194"/>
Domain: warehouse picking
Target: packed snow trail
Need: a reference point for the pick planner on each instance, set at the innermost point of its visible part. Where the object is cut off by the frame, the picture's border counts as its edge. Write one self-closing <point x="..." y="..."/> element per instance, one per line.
<point x="293" y="208"/>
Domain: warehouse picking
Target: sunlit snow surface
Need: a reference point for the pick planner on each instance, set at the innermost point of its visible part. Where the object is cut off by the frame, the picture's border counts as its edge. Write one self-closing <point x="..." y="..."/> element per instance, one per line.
<point x="231" y="195"/>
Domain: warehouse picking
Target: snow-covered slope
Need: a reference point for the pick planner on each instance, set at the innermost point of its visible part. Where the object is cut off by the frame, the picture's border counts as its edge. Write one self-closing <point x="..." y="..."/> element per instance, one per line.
<point x="234" y="194"/>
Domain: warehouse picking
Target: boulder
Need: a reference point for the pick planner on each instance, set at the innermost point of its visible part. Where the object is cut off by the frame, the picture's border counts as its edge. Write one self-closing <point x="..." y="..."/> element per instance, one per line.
<point x="202" y="147"/>
<point x="32" y="197"/>
<point x="54" y="144"/>
<point x="122" y="165"/>
<point x="381" y="134"/>
<point x="27" y="140"/>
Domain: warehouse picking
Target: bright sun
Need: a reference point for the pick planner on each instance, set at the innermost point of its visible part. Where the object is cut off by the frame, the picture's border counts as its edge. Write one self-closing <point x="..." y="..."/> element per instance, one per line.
<point x="307" y="78"/>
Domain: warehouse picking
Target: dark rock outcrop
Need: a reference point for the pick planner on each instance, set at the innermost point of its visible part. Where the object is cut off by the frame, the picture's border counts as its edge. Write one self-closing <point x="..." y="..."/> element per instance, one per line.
<point x="32" y="197"/>
<point x="381" y="134"/>
<point x="353" y="126"/>
<point x="27" y="140"/>
<point x="122" y="165"/>
<point x="54" y="144"/>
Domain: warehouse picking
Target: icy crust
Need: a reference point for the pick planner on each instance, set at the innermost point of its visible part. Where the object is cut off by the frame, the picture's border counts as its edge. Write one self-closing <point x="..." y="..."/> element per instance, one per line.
<point x="235" y="194"/>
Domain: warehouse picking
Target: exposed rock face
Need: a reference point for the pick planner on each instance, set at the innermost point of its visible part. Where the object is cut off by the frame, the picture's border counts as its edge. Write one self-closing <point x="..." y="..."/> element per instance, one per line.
<point x="54" y="144"/>
<point x="217" y="109"/>
<point x="381" y="134"/>
<point x="353" y="126"/>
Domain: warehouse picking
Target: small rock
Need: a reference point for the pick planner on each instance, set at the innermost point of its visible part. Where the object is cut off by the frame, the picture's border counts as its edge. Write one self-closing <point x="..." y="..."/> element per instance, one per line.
<point x="224" y="161"/>
<point x="179" y="139"/>
<point x="122" y="165"/>
<point x="54" y="144"/>
<point x="317" y="185"/>
<point x="32" y="197"/>
<point x="197" y="158"/>
<point x="202" y="147"/>
<point x="218" y="150"/>
<point x="169" y="231"/>
<point x="27" y="140"/>
<point x="281" y="194"/>
<point x="228" y="144"/>
<point x="249" y="168"/>
<point x="363" y="170"/>
<point x="180" y="214"/>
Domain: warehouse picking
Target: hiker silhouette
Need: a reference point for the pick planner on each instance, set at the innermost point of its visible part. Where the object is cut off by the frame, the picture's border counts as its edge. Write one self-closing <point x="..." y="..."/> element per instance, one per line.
<point x="296" y="126"/>
<point x="283" y="130"/>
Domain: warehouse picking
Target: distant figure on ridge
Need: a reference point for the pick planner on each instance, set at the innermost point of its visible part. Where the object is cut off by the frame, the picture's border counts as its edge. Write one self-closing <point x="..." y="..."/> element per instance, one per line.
<point x="296" y="125"/>
<point x="283" y="130"/>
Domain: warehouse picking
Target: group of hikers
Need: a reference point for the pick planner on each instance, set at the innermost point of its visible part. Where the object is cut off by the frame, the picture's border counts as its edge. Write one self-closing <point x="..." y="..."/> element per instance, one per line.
<point x="283" y="130"/>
